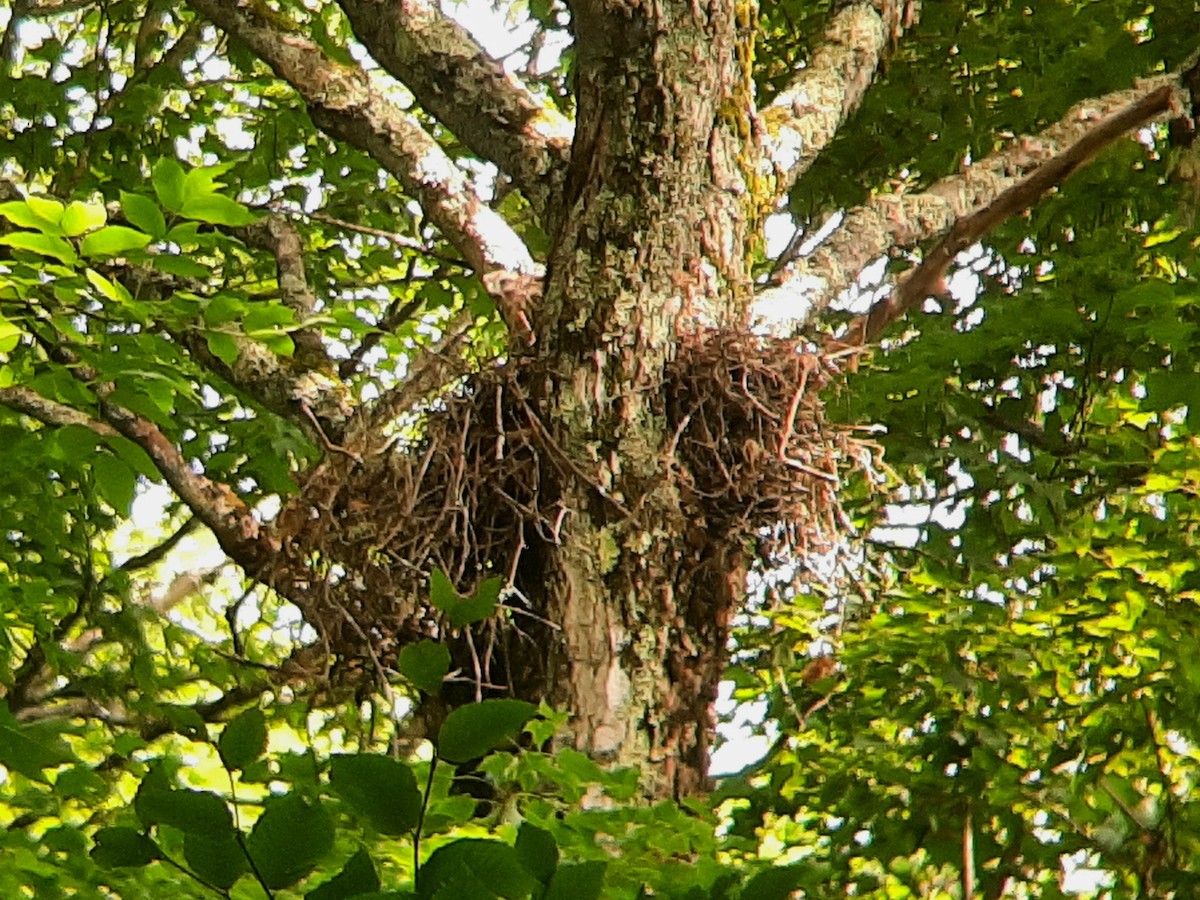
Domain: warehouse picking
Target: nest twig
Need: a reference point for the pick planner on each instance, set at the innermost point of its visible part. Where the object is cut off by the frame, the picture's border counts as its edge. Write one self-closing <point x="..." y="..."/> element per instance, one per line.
<point x="471" y="485"/>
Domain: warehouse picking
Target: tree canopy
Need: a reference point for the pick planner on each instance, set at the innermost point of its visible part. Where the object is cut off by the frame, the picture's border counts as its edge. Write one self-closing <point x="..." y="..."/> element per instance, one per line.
<point x="407" y="424"/>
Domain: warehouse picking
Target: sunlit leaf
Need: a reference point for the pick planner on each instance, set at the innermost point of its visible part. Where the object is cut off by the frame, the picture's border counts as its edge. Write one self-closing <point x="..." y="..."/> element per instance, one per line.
<point x="167" y="178"/>
<point x="144" y="214"/>
<point x="218" y="210"/>
<point x="113" y="240"/>
<point x="42" y="244"/>
<point x="79" y="218"/>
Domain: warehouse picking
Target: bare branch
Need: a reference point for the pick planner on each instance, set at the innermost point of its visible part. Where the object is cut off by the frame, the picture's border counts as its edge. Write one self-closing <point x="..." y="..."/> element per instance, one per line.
<point x="926" y="279"/>
<point x="904" y="220"/>
<point x="803" y="119"/>
<point x="454" y="80"/>
<point x="50" y="412"/>
<point x="343" y="103"/>
<point x="398" y="239"/>
<point x="215" y="504"/>
<point x="160" y="550"/>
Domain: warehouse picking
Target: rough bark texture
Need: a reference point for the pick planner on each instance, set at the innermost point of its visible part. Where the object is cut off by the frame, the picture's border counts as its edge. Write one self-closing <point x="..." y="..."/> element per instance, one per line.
<point x="653" y="238"/>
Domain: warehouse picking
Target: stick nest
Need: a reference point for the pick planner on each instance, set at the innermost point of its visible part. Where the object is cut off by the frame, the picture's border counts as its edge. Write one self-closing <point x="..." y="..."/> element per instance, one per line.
<point x="474" y="484"/>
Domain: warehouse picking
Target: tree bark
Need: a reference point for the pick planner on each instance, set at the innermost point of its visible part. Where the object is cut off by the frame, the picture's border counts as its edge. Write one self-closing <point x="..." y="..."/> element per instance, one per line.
<point x="653" y="240"/>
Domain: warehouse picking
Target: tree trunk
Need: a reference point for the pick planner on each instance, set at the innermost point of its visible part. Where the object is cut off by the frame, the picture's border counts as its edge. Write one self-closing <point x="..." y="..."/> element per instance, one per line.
<point x="651" y="241"/>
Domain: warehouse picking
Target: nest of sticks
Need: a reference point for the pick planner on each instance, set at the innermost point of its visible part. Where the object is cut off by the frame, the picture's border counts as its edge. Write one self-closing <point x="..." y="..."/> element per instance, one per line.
<point x="475" y="485"/>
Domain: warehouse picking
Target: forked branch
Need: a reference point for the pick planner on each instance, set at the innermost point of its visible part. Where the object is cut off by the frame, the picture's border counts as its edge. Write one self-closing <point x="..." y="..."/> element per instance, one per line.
<point x="455" y="81"/>
<point x="345" y="104"/>
<point x="926" y="279"/>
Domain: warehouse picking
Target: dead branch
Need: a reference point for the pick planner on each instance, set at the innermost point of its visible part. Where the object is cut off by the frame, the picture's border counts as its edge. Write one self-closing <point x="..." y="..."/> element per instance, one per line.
<point x="474" y="488"/>
<point x="159" y="551"/>
<point x="346" y="105"/>
<point x="455" y="81"/>
<point x="392" y="237"/>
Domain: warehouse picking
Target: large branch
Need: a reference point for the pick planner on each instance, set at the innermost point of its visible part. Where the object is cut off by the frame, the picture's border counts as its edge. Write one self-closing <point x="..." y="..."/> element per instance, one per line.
<point x="343" y="103"/>
<point x="805" y="287"/>
<point x="254" y="547"/>
<point x="803" y="119"/>
<point x="50" y="412"/>
<point x="926" y="279"/>
<point x="455" y="81"/>
<point x="213" y="503"/>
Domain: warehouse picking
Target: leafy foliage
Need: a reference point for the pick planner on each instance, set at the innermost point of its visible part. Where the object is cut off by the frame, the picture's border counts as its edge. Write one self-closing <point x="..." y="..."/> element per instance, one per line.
<point x="1016" y="668"/>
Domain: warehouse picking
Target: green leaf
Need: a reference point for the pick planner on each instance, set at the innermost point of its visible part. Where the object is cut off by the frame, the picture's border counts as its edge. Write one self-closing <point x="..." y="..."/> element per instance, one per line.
<point x="378" y="787"/>
<point x="167" y="179"/>
<point x="289" y="839"/>
<point x="475" y="730"/>
<point x="10" y="335"/>
<point x="222" y="308"/>
<point x="180" y="265"/>
<point x="185" y="234"/>
<point x="356" y="878"/>
<point x="41" y="244"/>
<point x="46" y="208"/>
<point x="580" y="881"/>
<point x="267" y="318"/>
<point x="25" y="749"/>
<point x="201" y="181"/>
<point x="144" y="214"/>
<point x="33" y="213"/>
<point x="121" y="846"/>
<point x="426" y="664"/>
<point x="279" y="344"/>
<point x="217" y="210"/>
<point x="462" y="611"/>
<point x="223" y="346"/>
<point x="108" y="289"/>
<point x="192" y="812"/>
<point x="537" y="850"/>
<point x="218" y="860"/>
<point x="475" y="860"/>
<point x="244" y="739"/>
<point x="773" y="884"/>
<point x="115" y="481"/>
<point x="113" y="240"/>
<point x="79" y="217"/>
